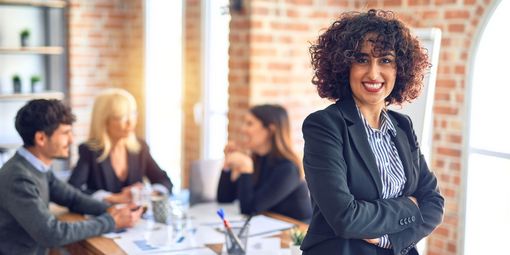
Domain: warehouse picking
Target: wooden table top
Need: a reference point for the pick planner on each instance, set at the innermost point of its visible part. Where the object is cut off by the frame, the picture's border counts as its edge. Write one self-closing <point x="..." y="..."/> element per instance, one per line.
<point x="106" y="246"/>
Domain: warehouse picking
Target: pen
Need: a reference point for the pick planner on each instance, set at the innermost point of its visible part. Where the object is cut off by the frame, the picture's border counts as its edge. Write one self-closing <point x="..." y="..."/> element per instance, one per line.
<point x="221" y="213"/>
<point x="243" y="228"/>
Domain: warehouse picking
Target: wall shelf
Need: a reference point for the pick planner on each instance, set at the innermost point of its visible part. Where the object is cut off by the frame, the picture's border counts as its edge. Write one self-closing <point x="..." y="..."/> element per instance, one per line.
<point x="30" y="96"/>
<point x="46" y="50"/>
<point x="36" y="3"/>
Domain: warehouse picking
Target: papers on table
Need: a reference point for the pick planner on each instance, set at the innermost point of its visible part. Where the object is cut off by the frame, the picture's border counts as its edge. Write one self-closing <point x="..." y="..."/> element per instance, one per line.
<point x="203" y="227"/>
<point x="263" y="246"/>
<point x="150" y="237"/>
<point x="262" y="225"/>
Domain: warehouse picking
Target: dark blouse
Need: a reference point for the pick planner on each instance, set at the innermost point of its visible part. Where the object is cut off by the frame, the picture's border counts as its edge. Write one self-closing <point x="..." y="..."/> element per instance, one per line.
<point x="279" y="189"/>
<point x="90" y="176"/>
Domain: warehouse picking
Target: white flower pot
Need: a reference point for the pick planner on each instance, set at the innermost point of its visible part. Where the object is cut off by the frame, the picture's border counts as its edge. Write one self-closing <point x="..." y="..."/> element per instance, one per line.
<point x="294" y="250"/>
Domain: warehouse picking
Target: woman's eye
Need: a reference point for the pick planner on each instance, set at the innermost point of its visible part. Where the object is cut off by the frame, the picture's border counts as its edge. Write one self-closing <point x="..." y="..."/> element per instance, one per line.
<point x="386" y="61"/>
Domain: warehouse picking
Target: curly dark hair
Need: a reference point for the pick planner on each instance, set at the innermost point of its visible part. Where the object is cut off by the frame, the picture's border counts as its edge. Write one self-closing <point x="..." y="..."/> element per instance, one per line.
<point x="41" y="115"/>
<point x="341" y="44"/>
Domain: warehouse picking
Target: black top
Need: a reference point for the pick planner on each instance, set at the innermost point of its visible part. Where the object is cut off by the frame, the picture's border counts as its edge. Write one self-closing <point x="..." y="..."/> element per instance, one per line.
<point x="90" y="176"/>
<point x="279" y="189"/>
<point x="346" y="187"/>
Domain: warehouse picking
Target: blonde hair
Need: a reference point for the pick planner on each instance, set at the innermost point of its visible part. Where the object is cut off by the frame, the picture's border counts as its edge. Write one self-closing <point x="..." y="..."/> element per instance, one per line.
<point x="110" y="103"/>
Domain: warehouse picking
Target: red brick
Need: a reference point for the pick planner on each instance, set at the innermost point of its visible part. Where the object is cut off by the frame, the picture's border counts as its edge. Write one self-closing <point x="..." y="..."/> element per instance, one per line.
<point x="456" y="28"/>
<point x="419" y="2"/>
<point x="457" y="14"/>
<point x="300" y="2"/>
<point x="448" y="151"/>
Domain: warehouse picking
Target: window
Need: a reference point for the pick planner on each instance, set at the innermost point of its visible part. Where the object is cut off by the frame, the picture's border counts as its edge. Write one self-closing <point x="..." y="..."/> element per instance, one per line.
<point x="488" y="154"/>
<point x="215" y="88"/>
<point x="163" y="84"/>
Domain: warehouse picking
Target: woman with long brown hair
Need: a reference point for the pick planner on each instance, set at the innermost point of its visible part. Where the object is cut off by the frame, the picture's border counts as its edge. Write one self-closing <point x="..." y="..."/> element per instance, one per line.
<point x="263" y="172"/>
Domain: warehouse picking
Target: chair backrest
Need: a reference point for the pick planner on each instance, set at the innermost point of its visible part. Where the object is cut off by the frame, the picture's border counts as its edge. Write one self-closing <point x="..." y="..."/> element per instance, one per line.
<point x="204" y="178"/>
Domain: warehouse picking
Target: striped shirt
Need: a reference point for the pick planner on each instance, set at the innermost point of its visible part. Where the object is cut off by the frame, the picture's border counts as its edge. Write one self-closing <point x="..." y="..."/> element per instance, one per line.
<point x="388" y="161"/>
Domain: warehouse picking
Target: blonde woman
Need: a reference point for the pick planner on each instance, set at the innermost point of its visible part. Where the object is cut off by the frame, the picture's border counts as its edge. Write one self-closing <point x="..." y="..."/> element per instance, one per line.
<point x="113" y="160"/>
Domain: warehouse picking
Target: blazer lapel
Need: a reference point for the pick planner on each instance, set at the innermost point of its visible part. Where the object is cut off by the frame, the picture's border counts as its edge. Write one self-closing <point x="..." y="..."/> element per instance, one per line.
<point x="360" y="140"/>
<point x="404" y="151"/>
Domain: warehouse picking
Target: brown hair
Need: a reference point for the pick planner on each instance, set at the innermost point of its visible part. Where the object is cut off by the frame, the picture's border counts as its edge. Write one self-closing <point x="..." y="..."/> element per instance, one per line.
<point x="281" y="145"/>
<point x="341" y="44"/>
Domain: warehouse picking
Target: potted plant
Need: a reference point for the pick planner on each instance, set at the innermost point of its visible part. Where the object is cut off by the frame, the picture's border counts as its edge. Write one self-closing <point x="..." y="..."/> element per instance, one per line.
<point x="296" y="237"/>
<point x="24" y="35"/>
<point x="16" y="83"/>
<point x="35" y="83"/>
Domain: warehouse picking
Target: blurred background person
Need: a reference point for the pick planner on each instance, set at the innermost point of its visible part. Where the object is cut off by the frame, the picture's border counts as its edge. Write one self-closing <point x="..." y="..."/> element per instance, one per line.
<point x="263" y="172"/>
<point x="27" y="185"/>
<point x="113" y="162"/>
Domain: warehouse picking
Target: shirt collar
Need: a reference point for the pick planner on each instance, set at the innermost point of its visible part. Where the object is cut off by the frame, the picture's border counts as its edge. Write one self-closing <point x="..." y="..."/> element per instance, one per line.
<point x="33" y="160"/>
<point x="386" y="124"/>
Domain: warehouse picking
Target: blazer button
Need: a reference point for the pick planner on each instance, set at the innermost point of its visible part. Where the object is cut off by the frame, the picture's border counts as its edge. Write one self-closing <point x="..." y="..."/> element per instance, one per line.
<point x="413" y="218"/>
<point x="405" y="221"/>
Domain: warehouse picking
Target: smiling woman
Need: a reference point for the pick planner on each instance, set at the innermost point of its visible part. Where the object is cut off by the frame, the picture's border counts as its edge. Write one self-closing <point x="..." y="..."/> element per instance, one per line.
<point x="372" y="190"/>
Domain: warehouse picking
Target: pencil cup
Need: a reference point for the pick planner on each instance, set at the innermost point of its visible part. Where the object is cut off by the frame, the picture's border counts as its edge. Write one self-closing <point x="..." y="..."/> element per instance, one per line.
<point x="238" y="247"/>
<point x="160" y="208"/>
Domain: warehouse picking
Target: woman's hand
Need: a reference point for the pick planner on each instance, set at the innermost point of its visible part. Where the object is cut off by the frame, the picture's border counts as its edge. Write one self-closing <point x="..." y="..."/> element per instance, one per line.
<point x="126" y="195"/>
<point x="118" y="198"/>
<point x="231" y="147"/>
<point x="415" y="201"/>
<point x="239" y="163"/>
<point x="374" y="241"/>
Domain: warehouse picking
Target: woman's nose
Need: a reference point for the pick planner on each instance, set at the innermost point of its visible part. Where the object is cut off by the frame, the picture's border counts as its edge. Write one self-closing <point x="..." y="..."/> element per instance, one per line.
<point x="373" y="71"/>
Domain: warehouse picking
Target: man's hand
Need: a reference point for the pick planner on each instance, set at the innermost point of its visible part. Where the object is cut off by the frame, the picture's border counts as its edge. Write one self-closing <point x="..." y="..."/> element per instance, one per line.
<point x="125" y="216"/>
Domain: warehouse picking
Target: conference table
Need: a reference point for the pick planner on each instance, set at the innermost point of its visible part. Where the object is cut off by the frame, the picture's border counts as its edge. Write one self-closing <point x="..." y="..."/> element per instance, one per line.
<point x="103" y="245"/>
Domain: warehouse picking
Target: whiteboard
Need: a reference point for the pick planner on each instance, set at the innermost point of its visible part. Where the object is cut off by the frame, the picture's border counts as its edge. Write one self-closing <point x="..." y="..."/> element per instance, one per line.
<point x="421" y="109"/>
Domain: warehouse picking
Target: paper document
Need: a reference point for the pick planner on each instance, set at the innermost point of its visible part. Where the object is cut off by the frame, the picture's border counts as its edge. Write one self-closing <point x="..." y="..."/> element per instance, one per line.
<point x="262" y="225"/>
<point x="150" y="237"/>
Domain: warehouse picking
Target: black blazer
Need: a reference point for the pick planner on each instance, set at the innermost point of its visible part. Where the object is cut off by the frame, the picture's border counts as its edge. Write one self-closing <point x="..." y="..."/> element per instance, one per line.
<point x="345" y="186"/>
<point x="279" y="189"/>
<point x="90" y="176"/>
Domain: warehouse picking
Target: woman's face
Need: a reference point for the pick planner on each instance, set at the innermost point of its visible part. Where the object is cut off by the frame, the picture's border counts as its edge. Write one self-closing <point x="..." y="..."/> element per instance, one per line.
<point x="121" y="126"/>
<point x="372" y="78"/>
<point x="257" y="137"/>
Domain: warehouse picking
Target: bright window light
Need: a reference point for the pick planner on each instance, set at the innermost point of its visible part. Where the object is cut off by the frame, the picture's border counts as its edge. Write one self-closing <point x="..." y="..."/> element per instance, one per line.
<point x="489" y="150"/>
<point x="163" y="83"/>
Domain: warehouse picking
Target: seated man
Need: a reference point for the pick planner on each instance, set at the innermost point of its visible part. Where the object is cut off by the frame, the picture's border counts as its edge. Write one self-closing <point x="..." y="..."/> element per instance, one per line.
<point x="27" y="186"/>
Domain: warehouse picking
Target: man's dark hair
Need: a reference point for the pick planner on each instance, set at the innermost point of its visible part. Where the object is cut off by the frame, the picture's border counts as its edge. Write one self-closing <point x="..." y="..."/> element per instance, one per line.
<point x="41" y="115"/>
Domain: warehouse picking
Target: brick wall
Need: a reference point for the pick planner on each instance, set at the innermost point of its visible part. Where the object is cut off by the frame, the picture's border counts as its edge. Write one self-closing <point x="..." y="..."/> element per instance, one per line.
<point x="105" y="50"/>
<point x="269" y="62"/>
<point x="192" y="84"/>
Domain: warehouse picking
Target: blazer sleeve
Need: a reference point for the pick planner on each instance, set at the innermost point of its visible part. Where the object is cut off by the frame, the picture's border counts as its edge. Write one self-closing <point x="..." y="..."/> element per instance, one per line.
<point x="283" y="179"/>
<point x="326" y="174"/>
<point x="227" y="190"/>
<point x="430" y="202"/>
<point x="81" y="172"/>
<point x="154" y="173"/>
<point x="32" y="213"/>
